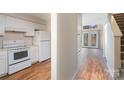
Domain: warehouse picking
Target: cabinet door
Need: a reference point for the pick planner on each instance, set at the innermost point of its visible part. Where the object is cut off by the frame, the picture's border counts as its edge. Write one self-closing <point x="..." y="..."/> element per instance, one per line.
<point x="48" y="50"/>
<point x="45" y="35"/>
<point x="35" y="51"/>
<point x="44" y="51"/>
<point x="15" y="24"/>
<point x="39" y="26"/>
<point x="30" y="29"/>
<point x="2" y="24"/>
<point x="34" y="54"/>
<point x="3" y="65"/>
<point x="10" y="23"/>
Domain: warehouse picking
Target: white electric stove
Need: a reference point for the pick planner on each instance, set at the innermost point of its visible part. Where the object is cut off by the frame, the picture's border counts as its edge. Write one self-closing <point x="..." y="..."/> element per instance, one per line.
<point x="18" y="55"/>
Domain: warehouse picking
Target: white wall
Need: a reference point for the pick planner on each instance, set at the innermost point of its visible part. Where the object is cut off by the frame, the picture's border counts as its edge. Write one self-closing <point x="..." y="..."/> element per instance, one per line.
<point x="112" y="46"/>
<point x="66" y="46"/>
<point x="109" y="47"/>
<point x="79" y="39"/>
<point x="93" y="18"/>
<point x="54" y="47"/>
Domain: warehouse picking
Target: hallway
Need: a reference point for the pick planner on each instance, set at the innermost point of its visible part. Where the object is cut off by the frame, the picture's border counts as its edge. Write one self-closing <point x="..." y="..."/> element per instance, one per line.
<point x="93" y="67"/>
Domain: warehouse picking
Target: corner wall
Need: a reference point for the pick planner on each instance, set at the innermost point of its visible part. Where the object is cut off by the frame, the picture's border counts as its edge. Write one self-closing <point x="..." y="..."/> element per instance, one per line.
<point x="109" y="48"/>
<point x="67" y="45"/>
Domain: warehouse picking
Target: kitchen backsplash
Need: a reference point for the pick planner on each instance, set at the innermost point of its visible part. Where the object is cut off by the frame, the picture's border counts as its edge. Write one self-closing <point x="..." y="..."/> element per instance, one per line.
<point x="16" y="36"/>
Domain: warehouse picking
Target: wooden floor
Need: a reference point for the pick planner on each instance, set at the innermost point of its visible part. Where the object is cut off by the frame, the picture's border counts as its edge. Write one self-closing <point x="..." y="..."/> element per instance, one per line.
<point x="38" y="71"/>
<point x="94" y="67"/>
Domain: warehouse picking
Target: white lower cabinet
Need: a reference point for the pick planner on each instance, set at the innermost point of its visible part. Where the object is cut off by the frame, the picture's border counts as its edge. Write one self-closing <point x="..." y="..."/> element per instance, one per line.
<point x="44" y="51"/>
<point x="3" y="63"/>
<point x="34" y="54"/>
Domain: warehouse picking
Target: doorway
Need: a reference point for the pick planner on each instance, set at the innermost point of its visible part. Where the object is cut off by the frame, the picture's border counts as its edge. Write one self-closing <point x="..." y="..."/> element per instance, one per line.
<point x="90" y="39"/>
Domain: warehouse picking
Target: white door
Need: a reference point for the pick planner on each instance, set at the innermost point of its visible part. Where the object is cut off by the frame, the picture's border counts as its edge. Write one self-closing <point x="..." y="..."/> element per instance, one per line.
<point x="90" y="39"/>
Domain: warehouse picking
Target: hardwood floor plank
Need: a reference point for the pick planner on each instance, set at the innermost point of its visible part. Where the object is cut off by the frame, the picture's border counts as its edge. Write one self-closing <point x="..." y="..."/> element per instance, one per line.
<point x="94" y="67"/>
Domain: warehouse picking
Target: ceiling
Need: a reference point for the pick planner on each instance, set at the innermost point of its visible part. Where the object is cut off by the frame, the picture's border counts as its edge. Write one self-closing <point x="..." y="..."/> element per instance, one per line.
<point x="41" y="18"/>
<point x="44" y="16"/>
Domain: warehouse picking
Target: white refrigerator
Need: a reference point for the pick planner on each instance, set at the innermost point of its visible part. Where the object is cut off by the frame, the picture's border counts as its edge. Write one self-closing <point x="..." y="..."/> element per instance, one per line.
<point x="42" y="39"/>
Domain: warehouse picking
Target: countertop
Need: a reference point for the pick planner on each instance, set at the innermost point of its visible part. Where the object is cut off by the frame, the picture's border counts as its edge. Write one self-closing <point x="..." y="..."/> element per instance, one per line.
<point x="32" y="46"/>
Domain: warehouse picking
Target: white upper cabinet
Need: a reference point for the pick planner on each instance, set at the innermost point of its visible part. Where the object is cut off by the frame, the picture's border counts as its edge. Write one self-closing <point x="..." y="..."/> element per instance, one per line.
<point x="40" y="26"/>
<point x="2" y="25"/>
<point x="15" y="24"/>
<point x="30" y="29"/>
<point x="8" y="23"/>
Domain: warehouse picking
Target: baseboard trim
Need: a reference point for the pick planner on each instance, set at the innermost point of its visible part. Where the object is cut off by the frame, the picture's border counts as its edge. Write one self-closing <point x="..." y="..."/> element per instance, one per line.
<point x="109" y="69"/>
<point x="73" y="78"/>
<point x="77" y="71"/>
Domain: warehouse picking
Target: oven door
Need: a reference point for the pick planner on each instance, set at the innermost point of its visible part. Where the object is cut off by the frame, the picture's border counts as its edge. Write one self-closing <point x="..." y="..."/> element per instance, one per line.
<point x="17" y="56"/>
